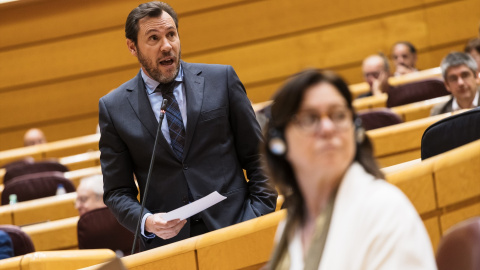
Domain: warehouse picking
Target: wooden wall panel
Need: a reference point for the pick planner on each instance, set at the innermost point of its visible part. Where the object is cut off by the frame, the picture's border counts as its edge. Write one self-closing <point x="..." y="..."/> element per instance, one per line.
<point x="54" y="131"/>
<point x="39" y="21"/>
<point x="453" y="21"/>
<point x="52" y="45"/>
<point x="275" y="19"/>
<point x="59" y="100"/>
<point x="66" y="58"/>
<point x="258" y="92"/>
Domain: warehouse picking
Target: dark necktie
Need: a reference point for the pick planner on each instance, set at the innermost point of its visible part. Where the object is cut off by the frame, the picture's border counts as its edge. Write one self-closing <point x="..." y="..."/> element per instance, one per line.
<point x="174" y="119"/>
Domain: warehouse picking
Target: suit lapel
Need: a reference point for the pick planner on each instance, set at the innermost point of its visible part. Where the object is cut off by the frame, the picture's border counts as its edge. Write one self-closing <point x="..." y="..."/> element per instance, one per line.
<point x="137" y="97"/>
<point x="194" y="85"/>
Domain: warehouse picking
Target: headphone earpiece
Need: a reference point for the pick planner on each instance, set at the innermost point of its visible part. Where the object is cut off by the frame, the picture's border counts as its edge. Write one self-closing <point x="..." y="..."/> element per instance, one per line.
<point x="359" y="131"/>
<point x="277" y="143"/>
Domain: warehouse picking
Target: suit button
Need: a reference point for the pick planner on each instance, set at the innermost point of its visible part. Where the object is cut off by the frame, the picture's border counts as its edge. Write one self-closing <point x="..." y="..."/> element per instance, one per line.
<point x="185" y="166"/>
<point x="185" y="199"/>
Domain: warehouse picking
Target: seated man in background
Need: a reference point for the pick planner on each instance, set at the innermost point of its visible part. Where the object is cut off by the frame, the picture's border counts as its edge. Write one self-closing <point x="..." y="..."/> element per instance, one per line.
<point x="473" y="48"/>
<point x="34" y="136"/>
<point x="460" y="73"/>
<point x="6" y="246"/>
<point x="376" y="71"/>
<point x="404" y="57"/>
<point x="90" y="194"/>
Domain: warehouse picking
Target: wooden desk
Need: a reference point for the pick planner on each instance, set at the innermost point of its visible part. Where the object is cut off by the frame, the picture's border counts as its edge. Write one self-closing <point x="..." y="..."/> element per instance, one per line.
<point x="54" y="235"/>
<point x="52" y="150"/>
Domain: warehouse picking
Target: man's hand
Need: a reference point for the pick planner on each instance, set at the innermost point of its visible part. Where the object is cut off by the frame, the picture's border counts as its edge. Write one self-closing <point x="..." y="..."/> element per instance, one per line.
<point x="163" y="229"/>
<point x="380" y="84"/>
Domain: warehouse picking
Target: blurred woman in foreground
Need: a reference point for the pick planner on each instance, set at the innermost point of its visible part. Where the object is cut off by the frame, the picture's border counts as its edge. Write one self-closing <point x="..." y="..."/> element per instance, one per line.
<point x="341" y="215"/>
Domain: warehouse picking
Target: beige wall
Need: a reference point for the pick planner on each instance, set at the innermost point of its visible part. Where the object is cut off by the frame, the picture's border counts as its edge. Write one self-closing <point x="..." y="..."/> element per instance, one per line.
<point x="58" y="57"/>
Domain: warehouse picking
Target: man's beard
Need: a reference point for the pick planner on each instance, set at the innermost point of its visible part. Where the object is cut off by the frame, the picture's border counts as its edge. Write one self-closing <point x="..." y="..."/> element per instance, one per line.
<point x="154" y="72"/>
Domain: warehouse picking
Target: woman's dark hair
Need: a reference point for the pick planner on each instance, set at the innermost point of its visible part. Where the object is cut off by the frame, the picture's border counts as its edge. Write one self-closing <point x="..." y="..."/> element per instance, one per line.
<point x="151" y="9"/>
<point x="286" y="103"/>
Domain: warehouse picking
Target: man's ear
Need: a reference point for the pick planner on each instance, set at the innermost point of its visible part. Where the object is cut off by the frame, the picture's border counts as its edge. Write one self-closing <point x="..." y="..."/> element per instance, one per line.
<point x="446" y="86"/>
<point x="131" y="47"/>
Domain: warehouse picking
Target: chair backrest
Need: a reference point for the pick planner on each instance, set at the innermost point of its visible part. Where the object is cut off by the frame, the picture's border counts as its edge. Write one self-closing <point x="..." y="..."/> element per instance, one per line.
<point x="98" y="228"/>
<point x="459" y="248"/>
<point x="36" y="167"/>
<point x="18" y="163"/>
<point x="416" y="91"/>
<point x="450" y="133"/>
<point x="378" y="118"/>
<point x="22" y="243"/>
<point x="35" y="185"/>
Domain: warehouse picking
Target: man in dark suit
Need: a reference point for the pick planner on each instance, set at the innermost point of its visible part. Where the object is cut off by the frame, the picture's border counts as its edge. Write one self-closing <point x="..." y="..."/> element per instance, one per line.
<point x="460" y="74"/>
<point x="209" y="136"/>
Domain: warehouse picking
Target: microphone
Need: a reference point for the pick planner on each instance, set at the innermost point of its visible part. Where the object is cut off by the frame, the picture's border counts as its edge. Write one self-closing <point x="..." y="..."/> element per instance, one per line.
<point x="152" y="159"/>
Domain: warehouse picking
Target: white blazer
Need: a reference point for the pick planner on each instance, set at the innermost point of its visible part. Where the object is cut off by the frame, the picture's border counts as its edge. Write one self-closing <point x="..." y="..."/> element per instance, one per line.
<point x="373" y="226"/>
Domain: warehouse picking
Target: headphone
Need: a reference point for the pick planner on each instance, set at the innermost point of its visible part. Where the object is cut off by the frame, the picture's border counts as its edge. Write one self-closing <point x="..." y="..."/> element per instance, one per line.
<point x="359" y="131"/>
<point x="278" y="146"/>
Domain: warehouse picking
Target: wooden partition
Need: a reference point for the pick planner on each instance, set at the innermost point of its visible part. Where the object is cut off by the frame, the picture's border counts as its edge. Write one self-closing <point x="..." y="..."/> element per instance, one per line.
<point x="363" y="87"/>
<point x="401" y="142"/>
<point x="418" y="110"/>
<point x="57" y="260"/>
<point x="79" y="166"/>
<point x="55" y="149"/>
<point x="54" y="235"/>
<point x="453" y="176"/>
<point x="39" y="210"/>
<point x="70" y="65"/>
<point x="77" y="175"/>
<point x="443" y="189"/>
<point x="241" y="246"/>
<point x="81" y="161"/>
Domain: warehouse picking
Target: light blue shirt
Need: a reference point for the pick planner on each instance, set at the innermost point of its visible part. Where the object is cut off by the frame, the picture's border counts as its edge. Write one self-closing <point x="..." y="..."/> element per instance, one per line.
<point x="156" y="99"/>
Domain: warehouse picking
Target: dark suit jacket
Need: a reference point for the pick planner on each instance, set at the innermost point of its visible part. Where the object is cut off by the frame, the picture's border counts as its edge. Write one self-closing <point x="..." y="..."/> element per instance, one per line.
<point x="446" y="106"/>
<point x="6" y="246"/>
<point x="222" y="139"/>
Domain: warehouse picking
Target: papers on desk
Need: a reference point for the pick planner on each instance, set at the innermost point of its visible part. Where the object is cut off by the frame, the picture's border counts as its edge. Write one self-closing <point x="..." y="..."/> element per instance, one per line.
<point x="194" y="207"/>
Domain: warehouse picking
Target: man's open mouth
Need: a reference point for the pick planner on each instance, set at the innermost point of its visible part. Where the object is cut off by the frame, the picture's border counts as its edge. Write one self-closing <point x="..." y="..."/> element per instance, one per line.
<point x="166" y="62"/>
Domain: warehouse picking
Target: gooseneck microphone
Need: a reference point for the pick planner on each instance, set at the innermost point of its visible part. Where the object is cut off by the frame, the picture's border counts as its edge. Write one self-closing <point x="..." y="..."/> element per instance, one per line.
<point x="152" y="160"/>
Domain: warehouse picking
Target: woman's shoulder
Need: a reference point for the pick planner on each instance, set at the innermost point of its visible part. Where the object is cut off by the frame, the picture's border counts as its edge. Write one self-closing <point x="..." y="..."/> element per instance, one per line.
<point x="376" y="197"/>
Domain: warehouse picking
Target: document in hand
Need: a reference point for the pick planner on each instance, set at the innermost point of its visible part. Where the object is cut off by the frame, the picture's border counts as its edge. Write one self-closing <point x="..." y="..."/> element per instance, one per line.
<point x="194" y="207"/>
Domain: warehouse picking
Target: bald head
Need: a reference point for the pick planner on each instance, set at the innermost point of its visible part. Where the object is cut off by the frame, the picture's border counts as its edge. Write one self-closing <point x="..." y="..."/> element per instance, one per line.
<point x="373" y="66"/>
<point x="34" y="136"/>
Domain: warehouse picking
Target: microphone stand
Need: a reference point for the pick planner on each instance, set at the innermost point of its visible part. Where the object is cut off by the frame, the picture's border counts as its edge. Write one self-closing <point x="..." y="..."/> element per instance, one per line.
<point x="152" y="159"/>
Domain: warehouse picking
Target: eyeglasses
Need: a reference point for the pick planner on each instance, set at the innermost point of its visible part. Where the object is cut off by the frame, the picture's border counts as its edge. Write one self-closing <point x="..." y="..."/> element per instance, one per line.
<point x="309" y="121"/>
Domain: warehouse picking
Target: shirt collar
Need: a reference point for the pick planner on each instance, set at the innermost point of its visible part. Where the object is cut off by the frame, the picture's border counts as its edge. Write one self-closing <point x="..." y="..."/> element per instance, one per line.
<point x="455" y="105"/>
<point x="151" y="84"/>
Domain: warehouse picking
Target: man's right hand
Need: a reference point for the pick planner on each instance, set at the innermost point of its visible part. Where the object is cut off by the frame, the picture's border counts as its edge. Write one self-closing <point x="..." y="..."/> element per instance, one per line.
<point x="163" y="229"/>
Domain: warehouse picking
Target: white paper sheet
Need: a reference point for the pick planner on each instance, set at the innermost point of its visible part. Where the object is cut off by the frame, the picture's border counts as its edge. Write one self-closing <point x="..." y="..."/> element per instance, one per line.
<point x="194" y="207"/>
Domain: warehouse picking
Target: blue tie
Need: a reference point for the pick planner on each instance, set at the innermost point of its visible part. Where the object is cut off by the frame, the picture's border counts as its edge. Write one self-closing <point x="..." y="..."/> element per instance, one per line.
<point x="174" y="119"/>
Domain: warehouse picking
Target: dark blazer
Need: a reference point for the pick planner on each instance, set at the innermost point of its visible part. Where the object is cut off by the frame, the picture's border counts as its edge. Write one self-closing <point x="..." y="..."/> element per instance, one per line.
<point x="222" y="139"/>
<point x="6" y="246"/>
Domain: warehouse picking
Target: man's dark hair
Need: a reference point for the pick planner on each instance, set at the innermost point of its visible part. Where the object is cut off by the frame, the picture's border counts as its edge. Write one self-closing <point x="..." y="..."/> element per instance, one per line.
<point x="473" y="44"/>
<point x="151" y="9"/>
<point x="286" y="103"/>
<point x="410" y="46"/>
